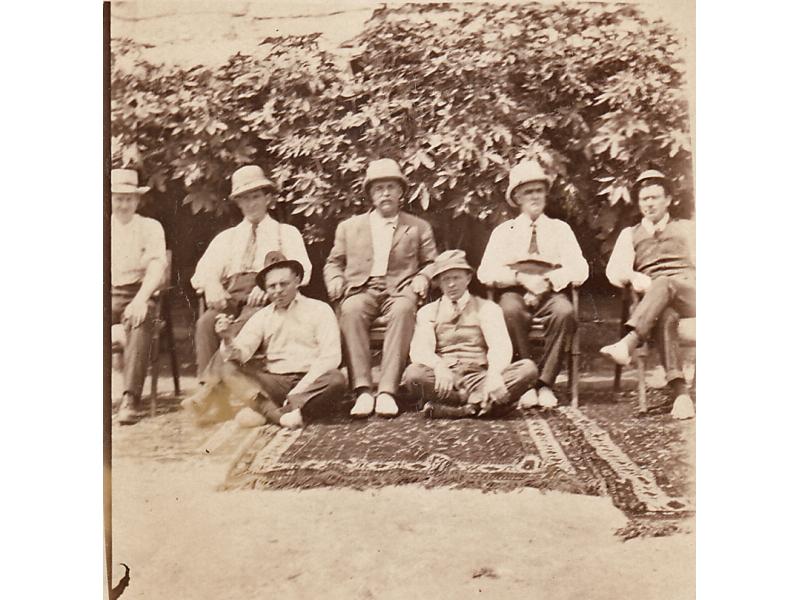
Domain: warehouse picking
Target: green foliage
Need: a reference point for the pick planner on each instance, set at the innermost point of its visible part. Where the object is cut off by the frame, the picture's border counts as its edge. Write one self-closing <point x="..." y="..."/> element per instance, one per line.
<point x="456" y="94"/>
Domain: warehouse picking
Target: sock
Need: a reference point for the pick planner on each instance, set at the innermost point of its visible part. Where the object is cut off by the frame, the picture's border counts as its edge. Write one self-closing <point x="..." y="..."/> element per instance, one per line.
<point x="678" y="387"/>
<point x="632" y="340"/>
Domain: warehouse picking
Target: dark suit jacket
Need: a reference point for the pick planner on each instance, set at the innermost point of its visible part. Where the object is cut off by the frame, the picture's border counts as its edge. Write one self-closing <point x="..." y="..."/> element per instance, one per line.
<point x="413" y="247"/>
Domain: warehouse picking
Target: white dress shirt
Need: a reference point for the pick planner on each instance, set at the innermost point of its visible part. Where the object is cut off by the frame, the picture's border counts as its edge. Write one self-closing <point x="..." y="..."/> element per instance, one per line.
<point x="223" y="257"/>
<point x="133" y="246"/>
<point x="493" y="327"/>
<point x="303" y="338"/>
<point x="511" y="240"/>
<point x="620" y="264"/>
<point x="382" y="234"/>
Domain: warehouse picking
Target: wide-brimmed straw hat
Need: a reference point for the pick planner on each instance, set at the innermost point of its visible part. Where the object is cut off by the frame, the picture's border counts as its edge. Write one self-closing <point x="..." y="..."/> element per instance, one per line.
<point x="384" y="168"/>
<point x="524" y="172"/>
<point x="249" y="178"/>
<point x="274" y="260"/>
<point x="126" y="181"/>
<point x="449" y="260"/>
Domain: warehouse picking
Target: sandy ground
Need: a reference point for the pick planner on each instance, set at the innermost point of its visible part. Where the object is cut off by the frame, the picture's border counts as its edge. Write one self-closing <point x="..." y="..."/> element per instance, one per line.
<point x="184" y="539"/>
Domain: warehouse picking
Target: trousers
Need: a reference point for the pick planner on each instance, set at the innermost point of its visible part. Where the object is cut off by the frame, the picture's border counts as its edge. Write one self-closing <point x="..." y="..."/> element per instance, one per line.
<point x="560" y="324"/>
<point x="419" y="382"/>
<point x="670" y="298"/>
<point x="206" y="340"/>
<point x="357" y="314"/>
<point x="136" y="357"/>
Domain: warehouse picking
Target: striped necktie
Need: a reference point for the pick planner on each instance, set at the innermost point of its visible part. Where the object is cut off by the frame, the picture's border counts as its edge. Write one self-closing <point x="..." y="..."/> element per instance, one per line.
<point x="533" y="247"/>
<point x="249" y="256"/>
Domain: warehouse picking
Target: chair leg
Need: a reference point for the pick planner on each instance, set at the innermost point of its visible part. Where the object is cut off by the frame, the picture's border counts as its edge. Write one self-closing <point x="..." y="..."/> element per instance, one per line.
<point x="617" y="379"/>
<point x="574" y="369"/>
<point x="641" y="355"/>
<point x="154" y="352"/>
<point x="173" y="357"/>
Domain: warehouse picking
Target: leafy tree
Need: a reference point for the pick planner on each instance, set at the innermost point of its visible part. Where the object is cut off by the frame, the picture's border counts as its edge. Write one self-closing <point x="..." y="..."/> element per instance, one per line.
<point x="457" y="94"/>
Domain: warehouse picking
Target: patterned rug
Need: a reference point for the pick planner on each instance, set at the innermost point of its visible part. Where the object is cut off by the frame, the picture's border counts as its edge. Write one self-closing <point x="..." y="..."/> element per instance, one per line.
<point x="558" y="450"/>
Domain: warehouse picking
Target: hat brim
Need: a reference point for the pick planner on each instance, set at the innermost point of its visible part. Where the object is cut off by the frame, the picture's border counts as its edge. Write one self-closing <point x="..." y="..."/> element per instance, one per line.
<point x="534" y="266"/>
<point x="510" y="191"/>
<point x="252" y="186"/>
<point x="130" y="190"/>
<point x="445" y="269"/>
<point x="292" y="264"/>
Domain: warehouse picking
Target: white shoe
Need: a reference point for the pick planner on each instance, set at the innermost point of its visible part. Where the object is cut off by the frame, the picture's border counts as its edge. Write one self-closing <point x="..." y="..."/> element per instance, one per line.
<point x="683" y="408"/>
<point x="292" y="420"/>
<point x="547" y="399"/>
<point x="529" y="399"/>
<point x="618" y="353"/>
<point x="385" y="406"/>
<point x="247" y="418"/>
<point x="364" y="406"/>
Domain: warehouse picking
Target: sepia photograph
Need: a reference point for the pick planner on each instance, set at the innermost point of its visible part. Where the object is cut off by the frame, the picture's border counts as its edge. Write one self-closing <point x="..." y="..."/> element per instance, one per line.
<point x="400" y="300"/>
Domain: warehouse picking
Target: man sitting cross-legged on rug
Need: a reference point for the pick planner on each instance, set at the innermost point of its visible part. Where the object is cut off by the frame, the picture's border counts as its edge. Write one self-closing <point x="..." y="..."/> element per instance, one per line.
<point x="656" y="257"/>
<point x="300" y="338"/>
<point x="377" y="266"/>
<point x="461" y="351"/>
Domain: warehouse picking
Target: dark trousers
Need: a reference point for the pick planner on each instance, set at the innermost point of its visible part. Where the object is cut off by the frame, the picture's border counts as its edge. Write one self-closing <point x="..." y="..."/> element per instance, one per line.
<point x="138" y="339"/>
<point x="357" y="313"/>
<point x="560" y="324"/>
<point x="419" y="382"/>
<point x="205" y="338"/>
<point x="231" y="386"/>
<point x="669" y="299"/>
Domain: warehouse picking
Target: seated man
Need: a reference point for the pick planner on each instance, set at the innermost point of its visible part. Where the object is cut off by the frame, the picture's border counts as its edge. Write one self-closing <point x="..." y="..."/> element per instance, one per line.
<point x="656" y="258"/>
<point x="226" y="272"/>
<point x="375" y="268"/>
<point x="523" y="295"/>
<point x="138" y="263"/>
<point x="300" y="338"/>
<point x="461" y="352"/>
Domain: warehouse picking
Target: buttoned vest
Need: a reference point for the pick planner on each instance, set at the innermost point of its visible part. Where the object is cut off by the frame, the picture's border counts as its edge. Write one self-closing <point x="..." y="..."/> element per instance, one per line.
<point x="462" y="339"/>
<point x="664" y="253"/>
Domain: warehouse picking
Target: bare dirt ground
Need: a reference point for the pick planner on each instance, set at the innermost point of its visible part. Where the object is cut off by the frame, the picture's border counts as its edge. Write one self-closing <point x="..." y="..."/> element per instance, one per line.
<point x="183" y="538"/>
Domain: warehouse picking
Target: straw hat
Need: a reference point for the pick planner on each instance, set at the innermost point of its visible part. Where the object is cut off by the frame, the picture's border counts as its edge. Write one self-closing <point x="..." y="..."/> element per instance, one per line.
<point x="449" y="260"/>
<point x="249" y="178"/>
<point x="126" y="181"/>
<point x="524" y="172"/>
<point x="384" y="168"/>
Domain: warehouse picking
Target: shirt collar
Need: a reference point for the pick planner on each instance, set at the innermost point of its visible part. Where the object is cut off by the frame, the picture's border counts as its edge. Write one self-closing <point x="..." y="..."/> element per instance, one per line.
<point x="376" y="217"/>
<point x="116" y="223"/>
<point x="525" y="220"/>
<point x="265" y="222"/>
<point x="659" y="227"/>
<point x="462" y="302"/>
<point x="297" y="300"/>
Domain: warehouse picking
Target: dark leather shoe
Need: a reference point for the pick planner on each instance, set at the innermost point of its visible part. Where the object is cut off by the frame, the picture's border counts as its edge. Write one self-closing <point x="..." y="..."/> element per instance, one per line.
<point x="128" y="413"/>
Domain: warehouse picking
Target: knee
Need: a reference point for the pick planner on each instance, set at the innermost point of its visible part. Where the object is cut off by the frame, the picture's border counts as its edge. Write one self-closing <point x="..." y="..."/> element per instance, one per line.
<point x="513" y="306"/>
<point x="415" y="374"/>
<point x="528" y="371"/>
<point x="562" y="309"/>
<point x="402" y="308"/>
<point x="353" y="308"/>
<point x="337" y="383"/>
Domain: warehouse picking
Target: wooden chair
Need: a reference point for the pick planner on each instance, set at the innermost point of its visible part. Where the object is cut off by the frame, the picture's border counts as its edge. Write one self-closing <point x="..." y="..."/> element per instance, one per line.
<point x="686" y="338"/>
<point x="163" y="322"/>
<point x="572" y="349"/>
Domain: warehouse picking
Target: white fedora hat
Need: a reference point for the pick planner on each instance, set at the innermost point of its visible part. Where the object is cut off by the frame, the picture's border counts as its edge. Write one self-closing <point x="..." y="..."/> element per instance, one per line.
<point x="248" y="178"/>
<point x="524" y="172"/>
<point x="126" y="181"/>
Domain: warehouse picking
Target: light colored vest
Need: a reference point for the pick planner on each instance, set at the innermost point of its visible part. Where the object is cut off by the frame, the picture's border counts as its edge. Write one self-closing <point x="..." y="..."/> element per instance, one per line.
<point x="462" y="339"/>
<point x="665" y="253"/>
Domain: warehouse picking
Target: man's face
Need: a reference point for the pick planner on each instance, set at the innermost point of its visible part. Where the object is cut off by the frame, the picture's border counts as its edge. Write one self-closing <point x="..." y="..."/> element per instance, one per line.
<point x="254" y="204"/>
<point x="531" y="198"/>
<point x="454" y="283"/>
<point x="281" y="285"/>
<point x="123" y="206"/>
<point x="386" y="195"/>
<point x="654" y="202"/>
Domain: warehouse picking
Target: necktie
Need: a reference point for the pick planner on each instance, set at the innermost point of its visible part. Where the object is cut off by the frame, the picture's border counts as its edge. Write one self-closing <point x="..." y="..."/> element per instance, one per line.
<point x="456" y="312"/>
<point x="249" y="256"/>
<point x="533" y="248"/>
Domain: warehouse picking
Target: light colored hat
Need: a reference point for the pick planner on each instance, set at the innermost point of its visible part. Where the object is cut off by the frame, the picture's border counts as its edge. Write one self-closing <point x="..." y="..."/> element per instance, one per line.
<point x="524" y="172"/>
<point x="449" y="260"/>
<point x="249" y="178"/>
<point x="384" y="168"/>
<point x="650" y="174"/>
<point x="126" y="181"/>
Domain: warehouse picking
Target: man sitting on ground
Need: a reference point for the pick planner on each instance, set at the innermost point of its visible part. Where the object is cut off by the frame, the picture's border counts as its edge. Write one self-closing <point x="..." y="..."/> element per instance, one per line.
<point x="138" y="262"/>
<point x="300" y="339"/>
<point x="657" y="259"/>
<point x="461" y="350"/>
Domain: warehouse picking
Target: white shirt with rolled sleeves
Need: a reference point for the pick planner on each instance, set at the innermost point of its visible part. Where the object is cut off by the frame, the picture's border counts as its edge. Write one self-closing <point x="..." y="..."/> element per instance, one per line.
<point x="303" y="338"/>
<point x="382" y="233"/>
<point x="511" y="240"/>
<point x="134" y="246"/>
<point x="493" y="326"/>
<point x="223" y="257"/>
<point x="620" y="264"/>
